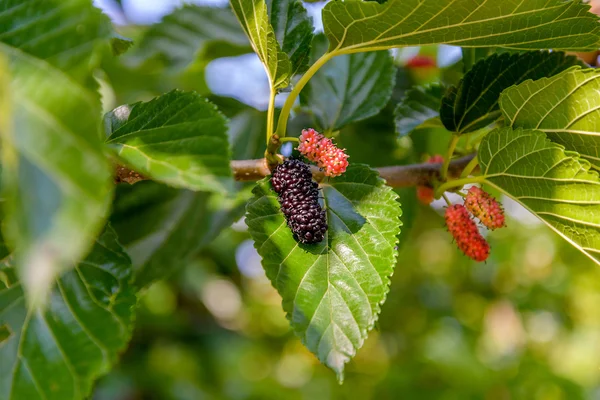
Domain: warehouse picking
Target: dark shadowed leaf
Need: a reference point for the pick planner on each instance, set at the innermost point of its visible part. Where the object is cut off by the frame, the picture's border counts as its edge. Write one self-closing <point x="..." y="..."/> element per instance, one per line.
<point x="332" y="291"/>
<point x="348" y="88"/>
<point x="473" y="104"/>
<point x="420" y="104"/>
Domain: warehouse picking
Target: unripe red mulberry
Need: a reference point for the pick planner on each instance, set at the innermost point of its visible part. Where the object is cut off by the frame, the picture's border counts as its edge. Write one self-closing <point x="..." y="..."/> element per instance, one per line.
<point x="465" y="232"/>
<point x="485" y="208"/>
<point x="317" y="148"/>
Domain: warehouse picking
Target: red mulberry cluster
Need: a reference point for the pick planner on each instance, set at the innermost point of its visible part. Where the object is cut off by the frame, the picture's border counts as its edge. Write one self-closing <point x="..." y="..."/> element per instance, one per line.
<point x="465" y="232"/>
<point x="321" y="150"/>
<point x="425" y="193"/>
<point x="485" y="208"/>
<point x="299" y="199"/>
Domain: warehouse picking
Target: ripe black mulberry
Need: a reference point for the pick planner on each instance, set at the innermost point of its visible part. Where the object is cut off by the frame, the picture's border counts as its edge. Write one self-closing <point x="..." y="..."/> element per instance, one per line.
<point x="299" y="200"/>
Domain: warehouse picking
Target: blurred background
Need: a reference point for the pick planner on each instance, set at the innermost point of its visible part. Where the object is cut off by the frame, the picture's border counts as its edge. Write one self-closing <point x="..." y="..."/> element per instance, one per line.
<point x="523" y="325"/>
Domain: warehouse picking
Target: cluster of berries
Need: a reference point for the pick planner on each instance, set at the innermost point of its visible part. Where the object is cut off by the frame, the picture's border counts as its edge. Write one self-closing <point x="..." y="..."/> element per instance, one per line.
<point x="487" y="210"/>
<point x="322" y="151"/>
<point x="299" y="200"/>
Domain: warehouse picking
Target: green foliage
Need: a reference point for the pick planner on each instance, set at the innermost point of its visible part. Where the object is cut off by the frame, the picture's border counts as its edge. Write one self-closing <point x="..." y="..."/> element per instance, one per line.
<point x="56" y="179"/>
<point x="349" y="88"/>
<point x="554" y="184"/>
<point x="419" y="105"/>
<point x="178" y="138"/>
<point x="332" y="291"/>
<point x="57" y="353"/>
<point x="564" y="106"/>
<point x="293" y="30"/>
<point x="473" y="104"/>
<point x="254" y="19"/>
<point x="355" y="26"/>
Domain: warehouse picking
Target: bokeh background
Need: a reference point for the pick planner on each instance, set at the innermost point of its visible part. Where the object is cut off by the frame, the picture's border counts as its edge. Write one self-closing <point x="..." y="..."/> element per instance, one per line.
<point x="523" y="325"/>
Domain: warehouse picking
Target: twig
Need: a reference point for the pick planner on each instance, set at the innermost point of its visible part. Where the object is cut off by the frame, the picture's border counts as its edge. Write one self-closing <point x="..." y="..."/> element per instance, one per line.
<point x="396" y="176"/>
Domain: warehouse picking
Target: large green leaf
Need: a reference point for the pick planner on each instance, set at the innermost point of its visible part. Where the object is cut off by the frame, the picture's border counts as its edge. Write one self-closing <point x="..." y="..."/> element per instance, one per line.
<point x="566" y="107"/>
<point x="554" y="184"/>
<point x="254" y="18"/>
<point x="355" y="26"/>
<point x="332" y="291"/>
<point x="162" y="228"/>
<point x="56" y="353"/>
<point x="293" y="30"/>
<point x="178" y="138"/>
<point x="473" y="104"/>
<point x="348" y="88"/>
<point x="56" y="179"/>
<point x="420" y="104"/>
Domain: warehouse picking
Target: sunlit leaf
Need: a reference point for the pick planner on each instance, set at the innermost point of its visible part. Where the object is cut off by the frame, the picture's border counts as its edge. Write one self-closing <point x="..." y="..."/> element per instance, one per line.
<point x="178" y="138"/>
<point x="332" y="291"/>
<point x="473" y="104"/>
<point x="566" y="107"/>
<point x="55" y="354"/>
<point x="355" y="26"/>
<point x="554" y="184"/>
<point x="254" y="19"/>
<point x="56" y="179"/>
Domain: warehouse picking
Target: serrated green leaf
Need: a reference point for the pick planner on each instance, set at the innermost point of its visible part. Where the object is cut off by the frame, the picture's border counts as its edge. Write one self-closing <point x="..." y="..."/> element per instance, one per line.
<point x="554" y="184"/>
<point x="187" y="33"/>
<point x="566" y="107"/>
<point x="348" y="88"/>
<point x="56" y="354"/>
<point x="178" y="138"/>
<point x="332" y="291"/>
<point x="473" y="104"/>
<point x="254" y="18"/>
<point x="293" y="30"/>
<point x="56" y="180"/>
<point x="420" y="104"/>
<point x="162" y="228"/>
<point x="355" y="26"/>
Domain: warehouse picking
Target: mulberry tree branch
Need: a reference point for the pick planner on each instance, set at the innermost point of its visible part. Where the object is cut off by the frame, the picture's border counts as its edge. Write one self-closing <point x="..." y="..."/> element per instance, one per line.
<point x="396" y="176"/>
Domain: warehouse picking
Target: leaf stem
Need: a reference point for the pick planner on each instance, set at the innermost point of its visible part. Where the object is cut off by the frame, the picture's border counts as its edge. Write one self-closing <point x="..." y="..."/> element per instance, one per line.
<point x="457" y="183"/>
<point x="451" y="147"/>
<point x="271" y="115"/>
<point x="289" y="102"/>
<point x="446" y="199"/>
<point x="470" y="167"/>
<point x="289" y="139"/>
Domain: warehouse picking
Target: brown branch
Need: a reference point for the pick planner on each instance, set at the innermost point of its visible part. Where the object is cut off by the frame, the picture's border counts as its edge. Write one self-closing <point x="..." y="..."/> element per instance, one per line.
<point x="396" y="176"/>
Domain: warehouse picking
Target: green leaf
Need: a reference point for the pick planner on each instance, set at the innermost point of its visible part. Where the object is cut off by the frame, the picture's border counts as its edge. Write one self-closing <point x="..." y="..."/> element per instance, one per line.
<point x="120" y="44"/>
<point x="554" y="184"/>
<point x="178" y="138"/>
<point x="188" y="33"/>
<point x="566" y="107"/>
<point x="162" y="228"/>
<point x="348" y="88"/>
<point x="56" y="179"/>
<point x="293" y="30"/>
<point x="56" y="354"/>
<point x="355" y="26"/>
<point x="473" y="104"/>
<point x="254" y="18"/>
<point x="420" y="104"/>
<point x="332" y="291"/>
